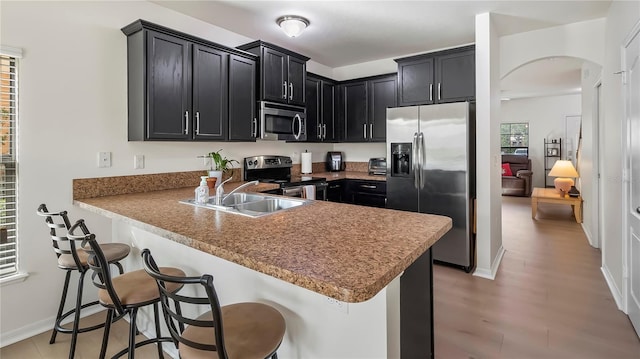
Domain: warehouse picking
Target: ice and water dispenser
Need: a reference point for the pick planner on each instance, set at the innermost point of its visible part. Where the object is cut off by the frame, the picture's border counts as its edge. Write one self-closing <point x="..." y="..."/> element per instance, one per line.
<point x="401" y="159"/>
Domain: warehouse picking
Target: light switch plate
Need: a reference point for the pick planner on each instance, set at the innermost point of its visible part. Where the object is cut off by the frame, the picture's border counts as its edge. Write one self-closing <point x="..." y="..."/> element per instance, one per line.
<point x="104" y="159"/>
<point x="138" y="162"/>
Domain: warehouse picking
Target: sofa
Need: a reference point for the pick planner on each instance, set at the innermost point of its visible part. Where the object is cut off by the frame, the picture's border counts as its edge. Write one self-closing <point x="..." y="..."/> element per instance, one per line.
<point x="516" y="175"/>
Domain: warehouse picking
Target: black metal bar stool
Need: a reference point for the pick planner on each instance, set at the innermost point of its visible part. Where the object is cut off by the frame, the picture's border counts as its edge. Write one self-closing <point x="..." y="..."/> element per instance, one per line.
<point x="240" y="330"/>
<point x="123" y="294"/>
<point x="72" y="259"/>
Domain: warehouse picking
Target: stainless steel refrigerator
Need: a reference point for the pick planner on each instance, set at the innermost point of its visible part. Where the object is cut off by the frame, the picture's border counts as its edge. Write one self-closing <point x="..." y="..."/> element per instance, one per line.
<point x="431" y="169"/>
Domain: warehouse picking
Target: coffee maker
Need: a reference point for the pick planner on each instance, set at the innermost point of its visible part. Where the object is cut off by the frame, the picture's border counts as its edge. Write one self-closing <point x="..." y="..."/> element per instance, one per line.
<point x="335" y="161"/>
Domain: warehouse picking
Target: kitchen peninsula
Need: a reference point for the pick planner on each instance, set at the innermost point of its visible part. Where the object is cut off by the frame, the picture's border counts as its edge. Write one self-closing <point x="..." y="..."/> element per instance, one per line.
<point x="362" y="282"/>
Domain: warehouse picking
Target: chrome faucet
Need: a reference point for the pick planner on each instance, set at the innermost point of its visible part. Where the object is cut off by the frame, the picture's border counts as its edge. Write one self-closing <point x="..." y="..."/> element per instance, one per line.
<point x="220" y="191"/>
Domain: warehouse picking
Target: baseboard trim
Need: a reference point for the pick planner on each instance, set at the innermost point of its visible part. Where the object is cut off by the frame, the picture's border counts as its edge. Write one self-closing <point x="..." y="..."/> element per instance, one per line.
<point x="615" y="292"/>
<point x="41" y="326"/>
<point x="491" y="273"/>
<point x="587" y="233"/>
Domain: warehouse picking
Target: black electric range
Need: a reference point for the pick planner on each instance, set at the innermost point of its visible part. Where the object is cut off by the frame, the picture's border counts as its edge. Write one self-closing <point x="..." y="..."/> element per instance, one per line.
<point x="277" y="169"/>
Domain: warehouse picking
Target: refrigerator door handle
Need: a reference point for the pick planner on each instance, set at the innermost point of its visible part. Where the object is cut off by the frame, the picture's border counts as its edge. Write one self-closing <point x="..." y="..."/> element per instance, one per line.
<point x="415" y="160"/>
<point x="423" y="158"/>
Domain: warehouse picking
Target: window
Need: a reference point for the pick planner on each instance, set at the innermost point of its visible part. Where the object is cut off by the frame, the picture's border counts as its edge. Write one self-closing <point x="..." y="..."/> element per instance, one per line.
<point x="514" y="138"/>
<point x="8" y="163"/>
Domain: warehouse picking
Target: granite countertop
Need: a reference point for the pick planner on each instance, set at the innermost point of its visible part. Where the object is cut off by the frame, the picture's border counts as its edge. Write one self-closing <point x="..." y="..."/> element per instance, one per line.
<point x="344" y="251"/>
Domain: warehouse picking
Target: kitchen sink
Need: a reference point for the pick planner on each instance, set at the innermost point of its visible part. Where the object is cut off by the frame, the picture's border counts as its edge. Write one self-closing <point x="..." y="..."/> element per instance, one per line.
<point x="250" y="204"/>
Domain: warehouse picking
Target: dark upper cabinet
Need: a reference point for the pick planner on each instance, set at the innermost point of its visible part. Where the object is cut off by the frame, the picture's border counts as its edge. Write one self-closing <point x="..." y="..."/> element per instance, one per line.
<point x="320" y="99"/>
<point x="181" y="87"/>
<point x="243" y="124"/>
<point x="354" y="111"/>
<point x="168" y="67"/>
<point x="210" y="105"/>
<point x="439" y="77"/>
<point x="364" y="104"/>
<point x="282" y="76"/>
<point x="383" y="93"/>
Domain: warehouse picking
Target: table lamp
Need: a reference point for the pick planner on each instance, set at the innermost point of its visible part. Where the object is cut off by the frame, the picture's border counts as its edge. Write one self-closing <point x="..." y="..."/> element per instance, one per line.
<point x="564" y="173"/>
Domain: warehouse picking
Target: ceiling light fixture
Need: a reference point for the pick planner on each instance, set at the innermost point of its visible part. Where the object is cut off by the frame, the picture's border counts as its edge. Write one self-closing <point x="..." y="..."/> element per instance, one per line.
<point x="292" y="25"/>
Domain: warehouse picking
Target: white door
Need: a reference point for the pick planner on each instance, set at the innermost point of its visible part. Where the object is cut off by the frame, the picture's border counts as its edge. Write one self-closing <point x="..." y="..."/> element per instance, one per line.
<point x="632" y="74"/>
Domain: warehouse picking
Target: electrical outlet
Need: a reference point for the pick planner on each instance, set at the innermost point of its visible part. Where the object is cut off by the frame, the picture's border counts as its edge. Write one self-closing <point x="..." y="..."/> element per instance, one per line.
<point x="294" y="156"/>
<point x="342" y="307"/>
<point x="206" y="161"/>
<point x="138" y="162"/>
<point x="104" y="159"/>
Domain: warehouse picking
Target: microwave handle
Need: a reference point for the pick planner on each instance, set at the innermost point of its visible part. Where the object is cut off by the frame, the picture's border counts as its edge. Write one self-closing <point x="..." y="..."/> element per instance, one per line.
<point x="299" y="120"/>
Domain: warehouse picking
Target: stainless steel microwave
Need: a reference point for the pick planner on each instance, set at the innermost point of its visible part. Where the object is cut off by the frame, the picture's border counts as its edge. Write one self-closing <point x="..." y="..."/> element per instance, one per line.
<point x="282" y="122"/>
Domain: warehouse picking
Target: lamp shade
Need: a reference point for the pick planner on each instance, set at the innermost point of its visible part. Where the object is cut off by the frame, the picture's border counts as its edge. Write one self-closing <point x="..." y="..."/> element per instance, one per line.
<point x="563" y="168"/>
<point x="292" y="25"/>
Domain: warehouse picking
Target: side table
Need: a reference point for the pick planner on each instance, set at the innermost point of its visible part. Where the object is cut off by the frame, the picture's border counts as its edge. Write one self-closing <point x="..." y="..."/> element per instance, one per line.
<point x="550" y="195"/>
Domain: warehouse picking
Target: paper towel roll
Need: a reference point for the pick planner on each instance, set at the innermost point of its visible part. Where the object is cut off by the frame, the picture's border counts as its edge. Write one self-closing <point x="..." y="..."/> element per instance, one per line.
<point x="305" y="162"/>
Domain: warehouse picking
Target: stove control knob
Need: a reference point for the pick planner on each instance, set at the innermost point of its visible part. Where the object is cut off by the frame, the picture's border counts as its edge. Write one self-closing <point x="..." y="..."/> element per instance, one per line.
<point x="250" y="163"/>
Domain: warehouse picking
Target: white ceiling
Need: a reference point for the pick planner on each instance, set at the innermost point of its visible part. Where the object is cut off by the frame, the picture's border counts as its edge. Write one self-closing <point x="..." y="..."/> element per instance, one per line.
<point x="349" y="32"/>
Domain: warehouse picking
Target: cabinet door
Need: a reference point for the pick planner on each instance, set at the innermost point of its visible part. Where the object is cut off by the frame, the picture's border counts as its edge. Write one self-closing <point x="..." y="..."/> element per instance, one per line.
<point x="243" y="125"/>
<point x="456" y="77"/>
<point x="328" y="112"/>
<point x="383" y="93"/>
<point x="335" y="191"/>
<point x="296" y="81"/>
<point x="313" y="106"/>
<point x="354" y="104"/>
<point x="210" y="103"/>
<point x="274" y="76"/>
<point x="168" y="82"/>
<point x="416" y="82"/>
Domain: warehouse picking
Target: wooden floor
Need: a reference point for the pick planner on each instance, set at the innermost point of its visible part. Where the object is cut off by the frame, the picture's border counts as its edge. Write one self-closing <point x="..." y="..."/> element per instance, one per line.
<point x="549" y="300"/>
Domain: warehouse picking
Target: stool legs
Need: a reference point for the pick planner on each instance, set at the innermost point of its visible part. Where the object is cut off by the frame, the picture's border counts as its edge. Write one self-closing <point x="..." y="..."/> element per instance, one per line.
<point x="105" y="336"/>
<point x="63" y="299"/>
<point x="158" y="334"/>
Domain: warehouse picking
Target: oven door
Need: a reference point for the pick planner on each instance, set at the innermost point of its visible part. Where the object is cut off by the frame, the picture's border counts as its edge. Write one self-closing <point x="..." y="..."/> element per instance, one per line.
<point x="296" y="191"/>
<point x="282" y="123"/>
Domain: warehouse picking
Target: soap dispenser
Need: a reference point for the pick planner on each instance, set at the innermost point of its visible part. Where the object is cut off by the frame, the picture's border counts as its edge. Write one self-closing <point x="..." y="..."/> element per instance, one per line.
<point x="202" y="192"/>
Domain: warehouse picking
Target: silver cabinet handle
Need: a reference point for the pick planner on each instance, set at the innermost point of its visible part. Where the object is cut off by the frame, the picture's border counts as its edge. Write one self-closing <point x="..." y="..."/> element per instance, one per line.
<point x="186" y="122"/>
<point x="439" y="92"/>
<point x="319" y="131"/>
<point x="364" y="130"/>
<point x="324" y="131"/>
<point x="430" y="92"/>
<point x="368" y="186"/>
<point x="284" y="90"/>
<point x="197" y="122"/>
<point x="290" y="91"/>
<point x="255" y="127"/>
<point x="371" y="131"/>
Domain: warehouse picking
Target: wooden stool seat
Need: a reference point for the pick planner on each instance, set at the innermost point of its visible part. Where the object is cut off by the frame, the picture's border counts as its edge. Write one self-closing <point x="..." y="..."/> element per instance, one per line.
<point x="137" y="288"/>
<point x="235" y="331"/>
<point x="114" y="252"/>
<point x="251" y="330"/>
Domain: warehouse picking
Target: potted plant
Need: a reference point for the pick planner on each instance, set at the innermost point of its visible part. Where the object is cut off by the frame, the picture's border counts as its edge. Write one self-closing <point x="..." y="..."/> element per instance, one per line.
<point x="219" y="164"/>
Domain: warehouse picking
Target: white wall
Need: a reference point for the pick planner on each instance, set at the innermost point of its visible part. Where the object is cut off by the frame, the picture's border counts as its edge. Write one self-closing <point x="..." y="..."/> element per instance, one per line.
<point x="587" y="164"/>
<point x="620" y="20"/>
<point x="546" y="118"/>
<point x="488" y="179"/>
<point x="582" y="39"/>
<point x="73" y="104"/>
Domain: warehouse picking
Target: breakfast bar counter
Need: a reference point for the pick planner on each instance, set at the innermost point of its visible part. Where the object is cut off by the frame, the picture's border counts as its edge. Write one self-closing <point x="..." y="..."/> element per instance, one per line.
<point x="346" y="254"/>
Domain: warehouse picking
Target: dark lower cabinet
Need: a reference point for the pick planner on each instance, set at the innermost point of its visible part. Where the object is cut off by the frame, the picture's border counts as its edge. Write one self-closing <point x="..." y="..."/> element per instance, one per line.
<point x="335" y="191"/>
<point x="181" y="87"/>
<point x="367" y="193"/>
